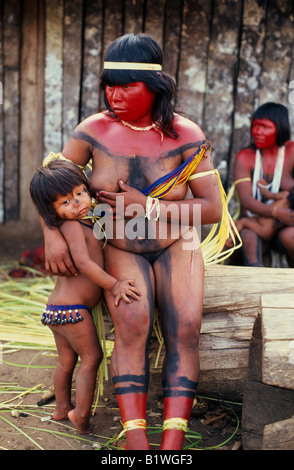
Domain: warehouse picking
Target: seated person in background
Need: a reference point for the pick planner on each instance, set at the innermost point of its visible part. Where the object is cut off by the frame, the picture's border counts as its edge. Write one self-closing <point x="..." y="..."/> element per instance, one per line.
<point x="267" y="227"/>
<point x="269" y="158"/>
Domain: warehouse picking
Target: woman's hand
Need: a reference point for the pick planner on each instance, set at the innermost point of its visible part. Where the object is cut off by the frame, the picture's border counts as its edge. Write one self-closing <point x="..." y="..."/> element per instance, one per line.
<point x="57" y="257"/>
<point x="124" y="203"/>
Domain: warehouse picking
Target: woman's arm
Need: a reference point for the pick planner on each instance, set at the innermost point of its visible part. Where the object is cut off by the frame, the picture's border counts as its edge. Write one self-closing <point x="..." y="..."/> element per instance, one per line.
<point x="243" y="168"/>
<point x="58" y="260"/>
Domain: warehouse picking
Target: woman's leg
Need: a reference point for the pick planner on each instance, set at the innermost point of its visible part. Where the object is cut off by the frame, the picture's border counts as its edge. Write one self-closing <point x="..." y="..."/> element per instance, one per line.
<point x="252" y="248"/>
<point x="285" y="242"/>
<point x="133" y="326"/>
<point x="179" y="282"/>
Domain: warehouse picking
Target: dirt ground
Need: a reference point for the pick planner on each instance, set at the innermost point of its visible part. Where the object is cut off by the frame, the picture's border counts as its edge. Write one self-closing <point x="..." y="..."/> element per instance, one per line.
<point x="213" y="425"/>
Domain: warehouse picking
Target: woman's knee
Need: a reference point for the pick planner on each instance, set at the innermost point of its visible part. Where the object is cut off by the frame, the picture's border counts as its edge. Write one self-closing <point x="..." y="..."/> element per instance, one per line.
<point x="286" y="240"/>
<point x="134" y="324"/>
<point x="189" y="326"/>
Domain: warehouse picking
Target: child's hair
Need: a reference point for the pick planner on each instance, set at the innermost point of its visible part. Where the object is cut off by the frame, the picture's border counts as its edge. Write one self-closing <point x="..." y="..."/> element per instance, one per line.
<point x="58" y="178"/>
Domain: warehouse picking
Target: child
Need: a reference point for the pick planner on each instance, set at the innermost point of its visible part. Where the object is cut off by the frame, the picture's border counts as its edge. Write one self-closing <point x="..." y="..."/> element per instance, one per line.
<point x="61" y="194"/>
<point x="266" y="227"/>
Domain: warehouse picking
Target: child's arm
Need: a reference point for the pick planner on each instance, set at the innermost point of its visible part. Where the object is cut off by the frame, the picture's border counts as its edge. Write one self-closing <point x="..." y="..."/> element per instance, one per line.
<point x="268" y="194"/>
<point x="74" y="235"/>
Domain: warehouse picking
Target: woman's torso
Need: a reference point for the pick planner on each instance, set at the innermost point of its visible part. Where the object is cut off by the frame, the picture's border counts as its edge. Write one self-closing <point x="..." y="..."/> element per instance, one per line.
<point x="139" y="159"/>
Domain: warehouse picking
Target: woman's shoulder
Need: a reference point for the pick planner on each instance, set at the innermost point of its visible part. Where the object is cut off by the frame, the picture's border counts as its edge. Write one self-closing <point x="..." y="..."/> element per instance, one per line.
<point x="187" y="128"/>
<point x="97" y="120"/>
<point x="247" y="153"/>
<point x="289" y="147"/>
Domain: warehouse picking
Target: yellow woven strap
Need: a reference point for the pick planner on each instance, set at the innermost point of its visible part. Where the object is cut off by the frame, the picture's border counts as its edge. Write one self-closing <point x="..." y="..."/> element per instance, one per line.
<point x="180" y="424"/>
<point x="131" y="425"/>
<point x="131" y="66"/>
<point x="57" y="156"/>
<point x="212" y="246"/>
<point x="232" y="194"/>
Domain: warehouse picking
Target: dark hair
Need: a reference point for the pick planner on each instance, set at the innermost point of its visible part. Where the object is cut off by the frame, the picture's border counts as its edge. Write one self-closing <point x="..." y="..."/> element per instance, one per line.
<point x="142" y="48"/>
<point x="278" y="114"/>
<point x="58" y="178"/>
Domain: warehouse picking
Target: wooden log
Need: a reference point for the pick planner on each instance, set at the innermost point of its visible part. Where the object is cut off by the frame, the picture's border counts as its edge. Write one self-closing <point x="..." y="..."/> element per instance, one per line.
<point x="72" y="65"/>
<point x="32" y="103"/>
<point x="172" y="34"/>
<point x="262" y="404"/>
<point x="133" y="17"/>
<point x="154" y="21"/>
<point x="11" y="108"/>
<point x="1" y="122"/>
<point x="249" y="69"/>
<point x="277" y="53"/>
<point x="223" y="58"/>
<point x="279" y="436"/>
<point x="277" y="314"/>
<point x="193" y="60"/>
<point x="53" y="77"/>
<point x="92" y="50"/>
<point x="230" y="308"/>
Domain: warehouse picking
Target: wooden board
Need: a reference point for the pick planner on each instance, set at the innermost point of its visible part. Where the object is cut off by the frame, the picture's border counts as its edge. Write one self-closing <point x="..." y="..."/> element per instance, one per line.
<point x="262" y="404"/>
<point x="279" y="436"/>
<point x="32" y="109"/>
<point x="277" y="314"/>
<point x="230" y="308"/>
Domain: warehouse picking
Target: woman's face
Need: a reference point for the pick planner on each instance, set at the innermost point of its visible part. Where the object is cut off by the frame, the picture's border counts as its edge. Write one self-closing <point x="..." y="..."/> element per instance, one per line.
<point x="132" y="102"/>
<point x="264" y="133"/>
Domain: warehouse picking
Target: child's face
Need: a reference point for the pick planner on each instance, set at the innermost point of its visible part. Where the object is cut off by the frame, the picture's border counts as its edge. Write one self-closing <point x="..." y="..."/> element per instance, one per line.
<point x="74" y="205"/>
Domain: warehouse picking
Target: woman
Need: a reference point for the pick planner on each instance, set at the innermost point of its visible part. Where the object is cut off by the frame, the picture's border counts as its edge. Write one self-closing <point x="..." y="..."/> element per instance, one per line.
<point x="136" y="141"/>
<point x="270" y="157"/>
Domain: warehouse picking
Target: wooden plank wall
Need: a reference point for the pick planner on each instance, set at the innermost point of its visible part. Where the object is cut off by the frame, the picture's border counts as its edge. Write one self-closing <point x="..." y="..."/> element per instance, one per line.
<point x="227" y="56"/>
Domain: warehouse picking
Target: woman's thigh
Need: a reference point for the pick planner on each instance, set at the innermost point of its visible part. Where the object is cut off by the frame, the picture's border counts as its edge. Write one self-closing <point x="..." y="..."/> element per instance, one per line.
<point x="179" y="273"/>
<point x="126" y="265"/>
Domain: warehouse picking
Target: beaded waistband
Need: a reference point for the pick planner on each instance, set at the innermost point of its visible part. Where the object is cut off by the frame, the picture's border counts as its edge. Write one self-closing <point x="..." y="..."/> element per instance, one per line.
<point x="56" y="314"/>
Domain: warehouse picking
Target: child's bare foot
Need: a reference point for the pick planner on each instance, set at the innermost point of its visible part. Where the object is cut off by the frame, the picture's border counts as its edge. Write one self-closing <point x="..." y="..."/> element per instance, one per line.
<point x="81" y="425"/>
<point x="60" y="414"/>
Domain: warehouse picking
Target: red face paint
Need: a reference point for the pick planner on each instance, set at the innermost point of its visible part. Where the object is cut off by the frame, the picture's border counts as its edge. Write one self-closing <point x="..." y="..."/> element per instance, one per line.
<point x="264" y="133"/>
<point x="132" y="102"/>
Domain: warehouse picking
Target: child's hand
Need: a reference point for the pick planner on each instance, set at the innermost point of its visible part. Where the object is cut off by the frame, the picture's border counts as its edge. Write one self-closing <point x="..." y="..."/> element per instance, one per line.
<point x="122" y="289"/>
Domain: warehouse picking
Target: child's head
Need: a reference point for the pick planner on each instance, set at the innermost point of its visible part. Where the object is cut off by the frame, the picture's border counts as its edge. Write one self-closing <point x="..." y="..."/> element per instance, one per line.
<point x="49" y="186"/>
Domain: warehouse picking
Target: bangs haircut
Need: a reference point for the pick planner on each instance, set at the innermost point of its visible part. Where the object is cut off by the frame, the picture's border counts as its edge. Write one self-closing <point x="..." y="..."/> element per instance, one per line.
<point x="143" y="49"/>
<point x="58" y="178"/>
<point x="278" y="114"/>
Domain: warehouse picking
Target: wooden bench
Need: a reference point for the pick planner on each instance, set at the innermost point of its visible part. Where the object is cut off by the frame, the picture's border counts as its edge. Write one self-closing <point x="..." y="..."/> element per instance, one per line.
<point x="230" y="308"/>
<point x="231" y="305"/>
<point x="268" y="405"/>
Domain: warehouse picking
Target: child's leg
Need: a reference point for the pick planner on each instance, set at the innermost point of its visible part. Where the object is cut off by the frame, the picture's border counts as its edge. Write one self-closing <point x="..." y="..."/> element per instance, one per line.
<point x="67" y="359"/>
<point x="84" y="340"/>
